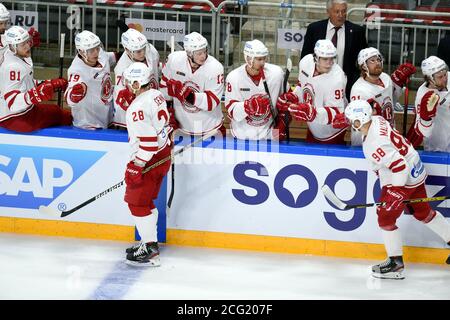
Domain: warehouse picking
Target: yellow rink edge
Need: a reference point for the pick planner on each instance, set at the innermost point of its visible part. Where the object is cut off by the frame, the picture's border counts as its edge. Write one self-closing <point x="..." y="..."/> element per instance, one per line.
<point x="220" y="240"/>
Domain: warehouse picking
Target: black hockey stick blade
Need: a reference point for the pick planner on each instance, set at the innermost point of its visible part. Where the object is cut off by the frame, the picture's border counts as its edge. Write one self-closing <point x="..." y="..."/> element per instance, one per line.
<point x="331" y="196"/>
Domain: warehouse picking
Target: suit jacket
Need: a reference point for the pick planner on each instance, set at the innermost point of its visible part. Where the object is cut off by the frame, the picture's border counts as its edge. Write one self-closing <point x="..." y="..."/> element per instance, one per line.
<point x="443" y="50"/>
<point x="355" y="41"/>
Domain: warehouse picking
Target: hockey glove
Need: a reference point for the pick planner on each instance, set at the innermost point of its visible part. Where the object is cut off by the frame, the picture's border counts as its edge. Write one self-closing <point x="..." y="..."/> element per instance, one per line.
<point x="285" y="100"/>
<point x="257" y="106"/>
<point x="403" y="72"/>
<point x="340" y="121"/>
<point x="279" y="130"/>
<point x="78" y="92"/>
<point x="303" y="112"/>
<point x="124" y="98"/>
<point x="35" y="37"/>
<point x="133" y="174"/>
<point x="428" y="105"/>
<point x="375" y="106"/>
<point x="394" y="197"/>
<point x="42" y="92"/>
<point x="58" y="83"/>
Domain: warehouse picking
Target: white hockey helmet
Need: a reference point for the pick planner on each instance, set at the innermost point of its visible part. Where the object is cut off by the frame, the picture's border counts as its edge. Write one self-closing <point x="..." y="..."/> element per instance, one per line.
<point x="4" y="13"/>
<point x="86" y="40"/>
<point x="255" y="48"/>
<point x="16" y="35"/>
<point x="359" y="110"/>
<point x="194" y="41"/>
<point x="368" y="53"/>
<point x="431" y="65"/>
<point x="137" y="72"/>
<point x="133" y="40"/>
<point x="325" y="49"/>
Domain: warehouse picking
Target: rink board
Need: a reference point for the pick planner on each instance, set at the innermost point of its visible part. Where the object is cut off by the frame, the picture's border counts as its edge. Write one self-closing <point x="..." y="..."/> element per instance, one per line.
<point x="228" y="194"/>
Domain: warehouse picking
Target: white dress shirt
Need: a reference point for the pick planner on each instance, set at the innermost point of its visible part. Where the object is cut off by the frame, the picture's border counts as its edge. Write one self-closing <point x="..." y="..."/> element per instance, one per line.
<point x="340" y="41"/>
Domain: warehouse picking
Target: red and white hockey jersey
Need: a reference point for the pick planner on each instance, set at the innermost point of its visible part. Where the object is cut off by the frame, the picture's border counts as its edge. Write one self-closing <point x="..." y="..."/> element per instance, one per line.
<point x="437" y="131"/>
<point x="385" y="94"/>
<point x="16" y="76"/>
<point x="3" y="47"/>
<point x="95" y="110"/>
<point x="147" y="122"/>
<point x="240" y="87"/>
<point x="205" y="114"/>
<point x="326" y="92"/>
<point x="152" y="60"/>
<point x="392" y="156"/>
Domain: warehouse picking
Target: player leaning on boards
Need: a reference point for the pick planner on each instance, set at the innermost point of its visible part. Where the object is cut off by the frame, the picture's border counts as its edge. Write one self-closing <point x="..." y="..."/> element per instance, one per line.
<point x="320" y="95"/>
<point x="5" y="22"/>
<point x="402" y="176"/>
<point x="90" y="90"/>
<point x="137" y="49"/>
<point x="147" y="122"/>
<point x="251" y="92"/>
<point x="193" y="80"/>
<point x="21" y="107"/>
<point x="432" y="107"/>
<point x="377" y="87"/>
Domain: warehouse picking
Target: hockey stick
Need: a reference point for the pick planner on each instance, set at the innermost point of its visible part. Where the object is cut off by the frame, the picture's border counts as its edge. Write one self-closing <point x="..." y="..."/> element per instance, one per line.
<point x="61" y="65"/>
<point x="266" y="88"/>
<point x="285" y="81"/>
<point x="331" y="196"/>
<point x="172" y="174"/>
<point x="58" y="213"/>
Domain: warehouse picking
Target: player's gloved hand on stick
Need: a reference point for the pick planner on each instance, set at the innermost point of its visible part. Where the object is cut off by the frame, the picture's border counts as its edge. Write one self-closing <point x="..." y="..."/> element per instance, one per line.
<point x="340" y="121"/>
<point x="285" y="100"/>
<point x="42" y="92"/>
<point x="279" y="130"/>
<point x="35" y="37"/>
<point x="303" y="112"/>
<point x="428" y="105"/>
<point x="401" y="75"/>
<point x="257" y="106"/>
<point x="58" y="84"/>
<point x="78" y="92"/>
<point x="133" y="174"/>
<point x="394" y="197"/>
<point x="124" y="98"/>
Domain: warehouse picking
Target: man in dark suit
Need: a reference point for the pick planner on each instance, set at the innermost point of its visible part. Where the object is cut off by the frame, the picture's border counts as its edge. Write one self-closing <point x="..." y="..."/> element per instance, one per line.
<point x="347" y="37"/>
<point x="443" y="50"/>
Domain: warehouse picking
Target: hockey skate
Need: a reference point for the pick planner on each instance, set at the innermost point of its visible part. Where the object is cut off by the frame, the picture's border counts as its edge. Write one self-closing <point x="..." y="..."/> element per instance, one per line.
<point x="133" y="248"/>
<point x="147" y="254"/>
<point x="391" y="268"/>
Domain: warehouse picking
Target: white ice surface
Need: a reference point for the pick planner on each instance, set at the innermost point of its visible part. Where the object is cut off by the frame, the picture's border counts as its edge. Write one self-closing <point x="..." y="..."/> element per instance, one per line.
<point x="38" y="267"/>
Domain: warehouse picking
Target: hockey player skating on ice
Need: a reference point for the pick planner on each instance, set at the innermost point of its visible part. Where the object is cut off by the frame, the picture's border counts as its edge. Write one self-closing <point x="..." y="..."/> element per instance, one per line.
<point x="148" y="131"/>
<point x="90" y="90"/>
<point x="137" y="49"/>
<point x="21" y="104"/>
<point x="250" y="108"/>
<point x="378" y="88"/>
<point x="193" y="79"/>
<point x="432" y="107"/>
<point x="5" y="21"/>
<point x="321" y="93"/>
<point x="402" y="176"/>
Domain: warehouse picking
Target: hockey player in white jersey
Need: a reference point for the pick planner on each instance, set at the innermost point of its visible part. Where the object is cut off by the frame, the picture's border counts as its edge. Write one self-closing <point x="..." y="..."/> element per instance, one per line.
<point x="378" y="88"/>
<point x="148" y="131"/>
<point x="402" y="176"/>
<point x="321" y="92"/>
<point x="90" y="90"/>
<point x="5" y="21"/>
<point x="250" y="107"/>
<point x="193" y="79"/>
<point x="137" y="49"/>
<point x="432" y="107"/>
<point x="22" y="100"/>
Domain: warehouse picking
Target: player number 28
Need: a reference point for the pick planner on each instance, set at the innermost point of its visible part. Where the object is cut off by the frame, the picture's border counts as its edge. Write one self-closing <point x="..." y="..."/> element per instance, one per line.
<point x="138" y="115"/>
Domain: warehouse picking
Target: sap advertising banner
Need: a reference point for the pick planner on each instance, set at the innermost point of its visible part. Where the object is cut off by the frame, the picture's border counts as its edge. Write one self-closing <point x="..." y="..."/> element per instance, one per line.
<point x="62" y="173"/>
<point x="158" y="29"/>
<point x="26" y="19"/>
<point x="278" y="194"/>
<point x="291" y="38"/>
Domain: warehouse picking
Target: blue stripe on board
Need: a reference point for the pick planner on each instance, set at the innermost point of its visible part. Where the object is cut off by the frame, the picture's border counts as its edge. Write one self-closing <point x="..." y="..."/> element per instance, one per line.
<point x="117" y="282"/>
